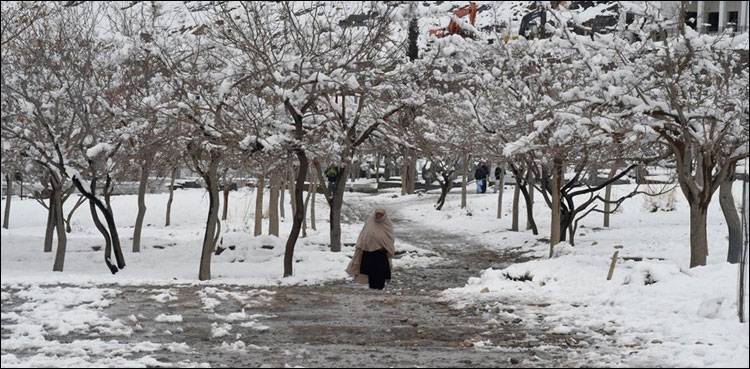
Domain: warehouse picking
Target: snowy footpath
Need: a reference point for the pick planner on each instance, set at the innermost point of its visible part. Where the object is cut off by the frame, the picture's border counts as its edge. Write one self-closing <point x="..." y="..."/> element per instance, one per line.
<point x="452" y="302"/>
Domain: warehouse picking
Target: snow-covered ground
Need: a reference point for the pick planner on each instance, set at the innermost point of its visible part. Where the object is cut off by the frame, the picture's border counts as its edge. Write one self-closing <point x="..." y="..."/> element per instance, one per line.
<point x="170" y="255"/>
<point x="659" y="308"/>
<point x="63" y="318"/>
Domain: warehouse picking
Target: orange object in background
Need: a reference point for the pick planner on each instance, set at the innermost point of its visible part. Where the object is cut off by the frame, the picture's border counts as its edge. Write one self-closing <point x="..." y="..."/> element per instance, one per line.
<point x="453" y="27"/>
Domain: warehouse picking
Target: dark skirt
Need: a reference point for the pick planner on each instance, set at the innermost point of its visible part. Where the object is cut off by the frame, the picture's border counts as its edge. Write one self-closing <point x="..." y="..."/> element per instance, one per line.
<point x="376" y="266"/>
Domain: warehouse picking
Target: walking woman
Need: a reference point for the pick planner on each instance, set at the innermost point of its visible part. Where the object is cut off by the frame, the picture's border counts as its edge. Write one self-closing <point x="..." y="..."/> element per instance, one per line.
<point x="371" y="262"/>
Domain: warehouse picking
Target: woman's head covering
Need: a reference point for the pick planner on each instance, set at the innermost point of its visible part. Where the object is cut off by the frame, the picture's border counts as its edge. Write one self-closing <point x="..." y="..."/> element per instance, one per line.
<point x="375" y="235"/>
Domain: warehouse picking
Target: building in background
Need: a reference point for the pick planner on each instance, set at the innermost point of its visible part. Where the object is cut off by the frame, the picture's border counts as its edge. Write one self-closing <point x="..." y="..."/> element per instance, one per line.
<point x="712" y="16"/>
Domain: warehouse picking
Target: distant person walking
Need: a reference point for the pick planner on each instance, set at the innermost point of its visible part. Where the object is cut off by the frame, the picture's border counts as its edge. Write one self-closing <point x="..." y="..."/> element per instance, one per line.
<point x="499" y="173"/>
<point x="480" y="175"/>
<point x="371" y="263"/>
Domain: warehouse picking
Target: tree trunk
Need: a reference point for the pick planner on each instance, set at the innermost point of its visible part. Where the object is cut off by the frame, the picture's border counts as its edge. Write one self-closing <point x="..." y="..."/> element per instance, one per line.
<point x="571" y="233"/>
<point x="314" y="187"/>
<point x="698" y="240"/>
<point x="726" y="200"/>
<point x="405" y="173"/>
<point x="259" y="187"/>
<point x="292" y="189"/>
<point x="445" y="187"/>
<point x="500" y="187"/>
<point x="556" y="213"/>
<point x="171" y="196"/>
<point x="299" y="213"/>
<point x="224" y="211"/>
<point x="142" y="187"/>
<point x="212" y="184"/>
<point x="408" y="172"/>
<point x="60" y="226"/>
<point x="608" y="196"/>
<point x="282" y="190"/>
<point x="336" y="204"/>
<point x="564" y="223"/>
<point x="49" y="234"/>
<point x="273" y="206"/>
<point x="109" y="217"/>
<point x="516" y="191"/>
<point x="465" y="174"/>
<point x="100" y="227"/>
<point x="529" y="202"/>
<point x="530" y="224"/>
<point x="377" y="171"/>
<point x="307" y="204"/>
<point x="412" y="171"/>
<point x="8" y="196"/>
<point x="79" y="202"/>
<point x="403" y="176"/>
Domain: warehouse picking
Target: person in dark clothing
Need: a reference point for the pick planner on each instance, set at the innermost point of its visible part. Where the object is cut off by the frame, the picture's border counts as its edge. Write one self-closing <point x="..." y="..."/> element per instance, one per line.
<point x="499" y="173"/>
<point x="371" y="263"/>
<point x="377" y="267"/>
<point x="480" y="175"/>
<point x="332" y="173"/>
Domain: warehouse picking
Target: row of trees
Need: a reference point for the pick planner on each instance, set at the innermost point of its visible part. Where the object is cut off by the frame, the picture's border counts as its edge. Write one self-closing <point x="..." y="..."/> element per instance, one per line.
<point x="557" y="110"/>
<point x="93" y="94"/>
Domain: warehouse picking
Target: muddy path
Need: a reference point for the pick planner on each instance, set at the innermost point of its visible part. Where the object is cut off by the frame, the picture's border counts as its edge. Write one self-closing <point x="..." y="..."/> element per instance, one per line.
<point x="339" y="324"/>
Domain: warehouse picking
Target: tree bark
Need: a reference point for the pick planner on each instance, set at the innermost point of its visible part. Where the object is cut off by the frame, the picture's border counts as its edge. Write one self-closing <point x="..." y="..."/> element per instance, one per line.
<point x="445" y="187"/>
<point x="516" y="191"/>
<point x="109" y="217"/>
<point x="571" y="233"/>
<point x="314" y="187"/>
<point x="307" y="204"/>
<point x="259" y="206"/>
<point x="608" y="196"/>
<point x="698" y="239"/>
<point x="529" y="202"/>
<point x="224" y="211"/>
<point x="78" y="203"/>
<point x="60" y="226"/>
<point x="100" y="227"/>
<point x="403" y="175"/>
<point x="726" y="200"/>
<point x="299" y="213"/>
<point x="49" y="234"/>
<point x="8" y="196"/>
<point x="336" y="203"/>
<point x="412" y="171"/>
<point x="292" y="189"/>
<point x="530" y="224"/>
<point x="556" y="211"/>
<point x="171" y="196"/>
<point x="465" y="174"/>
<point x="142" y="187"/>
<point x="273" y="206"/>
<point x="500" y="188"/>
<point x="282" y="190"/>
<point x="377" y="171"/>
<point x="211" y="178"/>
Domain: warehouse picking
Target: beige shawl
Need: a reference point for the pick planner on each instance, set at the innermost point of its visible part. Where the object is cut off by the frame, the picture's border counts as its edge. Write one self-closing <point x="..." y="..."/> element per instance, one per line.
<point x="376" y="235"/>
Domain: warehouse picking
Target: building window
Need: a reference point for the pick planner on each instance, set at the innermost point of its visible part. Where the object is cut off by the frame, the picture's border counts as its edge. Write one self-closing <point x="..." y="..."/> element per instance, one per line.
<point x="733" y="20"/>
<point x="713" y="20"/>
